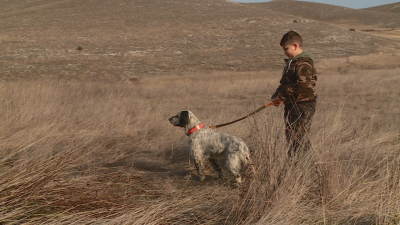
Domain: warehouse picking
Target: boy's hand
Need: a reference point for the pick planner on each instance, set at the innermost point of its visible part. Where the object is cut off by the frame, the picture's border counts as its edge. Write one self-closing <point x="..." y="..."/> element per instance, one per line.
<point x="277" y="101"/>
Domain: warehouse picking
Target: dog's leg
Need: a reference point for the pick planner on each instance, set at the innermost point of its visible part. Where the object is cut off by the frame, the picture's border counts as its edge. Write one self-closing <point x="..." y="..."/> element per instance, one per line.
<point x="233" y="165"/>
<point x="216" y="166"/>
<point x="200" y="168"/>
<point x="197" y="155"/>
<point x="198" y="161"/>
<point x="248" y="168"/>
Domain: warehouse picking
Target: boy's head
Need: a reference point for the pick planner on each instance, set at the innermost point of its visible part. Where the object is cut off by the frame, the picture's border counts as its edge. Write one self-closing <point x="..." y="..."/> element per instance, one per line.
<point x="292" y="44"/>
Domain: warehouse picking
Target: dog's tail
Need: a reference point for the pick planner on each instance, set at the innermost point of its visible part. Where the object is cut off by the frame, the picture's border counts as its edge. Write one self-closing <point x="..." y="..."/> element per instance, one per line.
<point x="245" y="156"/>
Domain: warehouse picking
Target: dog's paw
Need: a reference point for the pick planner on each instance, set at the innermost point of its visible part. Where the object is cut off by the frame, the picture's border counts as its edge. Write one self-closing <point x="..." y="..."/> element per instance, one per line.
<point x="201" y="178"/>
<point x="188" y="176"/>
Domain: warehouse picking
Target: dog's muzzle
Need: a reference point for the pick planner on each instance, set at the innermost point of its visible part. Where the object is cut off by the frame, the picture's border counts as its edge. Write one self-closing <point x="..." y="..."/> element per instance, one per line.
<point x="172" y="120"/>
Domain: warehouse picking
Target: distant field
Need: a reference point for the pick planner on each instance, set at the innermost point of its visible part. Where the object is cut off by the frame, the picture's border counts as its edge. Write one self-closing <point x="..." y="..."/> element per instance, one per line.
<point x="123" y="39"/>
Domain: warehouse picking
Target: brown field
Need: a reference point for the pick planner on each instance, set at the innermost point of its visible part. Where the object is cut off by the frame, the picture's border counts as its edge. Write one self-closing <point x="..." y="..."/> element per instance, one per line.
<point x="86" y="139"/>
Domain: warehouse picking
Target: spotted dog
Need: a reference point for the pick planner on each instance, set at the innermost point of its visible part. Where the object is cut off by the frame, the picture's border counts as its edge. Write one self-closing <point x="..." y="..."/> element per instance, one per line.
<point x="218" y="148"/>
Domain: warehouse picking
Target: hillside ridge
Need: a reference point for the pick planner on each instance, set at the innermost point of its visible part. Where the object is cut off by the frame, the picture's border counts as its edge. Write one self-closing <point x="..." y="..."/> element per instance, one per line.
<point x="124" y="39"/>
<point x="333" y="14"/>
<point x="388" y="8"/>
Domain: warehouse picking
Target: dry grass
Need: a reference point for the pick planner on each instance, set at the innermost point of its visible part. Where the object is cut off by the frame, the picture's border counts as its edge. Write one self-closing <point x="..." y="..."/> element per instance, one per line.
<point x="94" y="152"/>
<point x="352" y="174"/>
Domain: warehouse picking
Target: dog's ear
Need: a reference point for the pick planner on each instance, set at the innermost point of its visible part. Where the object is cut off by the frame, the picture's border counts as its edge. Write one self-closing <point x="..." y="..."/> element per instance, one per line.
<point x="184" y="118"/>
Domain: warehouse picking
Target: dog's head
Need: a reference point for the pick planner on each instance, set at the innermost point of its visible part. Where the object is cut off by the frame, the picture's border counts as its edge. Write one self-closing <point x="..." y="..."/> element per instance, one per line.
<point x="185" y="119"/>
<point x="181" y="119"/>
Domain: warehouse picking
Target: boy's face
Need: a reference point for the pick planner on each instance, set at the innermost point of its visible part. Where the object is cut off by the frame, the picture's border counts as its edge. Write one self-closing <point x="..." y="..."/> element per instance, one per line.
<point x="291" y="50"/>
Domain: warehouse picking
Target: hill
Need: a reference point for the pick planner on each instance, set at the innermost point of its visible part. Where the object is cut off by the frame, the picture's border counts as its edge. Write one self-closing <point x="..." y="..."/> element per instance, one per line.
<point x="333" y="14"/>
<point x="126" y="39"/>
<point x="390" y="8"/>
<point x="379" y="24"/>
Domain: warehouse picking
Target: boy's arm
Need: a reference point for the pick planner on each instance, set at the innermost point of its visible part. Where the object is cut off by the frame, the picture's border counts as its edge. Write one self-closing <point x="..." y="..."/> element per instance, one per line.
<point x="283" y="91"/>
<point x="305" y="79"/>
<point x="304" y="83"/>
<point x="277" y="98"/>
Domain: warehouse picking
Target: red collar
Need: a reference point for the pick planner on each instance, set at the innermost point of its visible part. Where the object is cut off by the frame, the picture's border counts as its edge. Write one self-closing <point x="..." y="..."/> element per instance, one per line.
<point x="196" y="128"/>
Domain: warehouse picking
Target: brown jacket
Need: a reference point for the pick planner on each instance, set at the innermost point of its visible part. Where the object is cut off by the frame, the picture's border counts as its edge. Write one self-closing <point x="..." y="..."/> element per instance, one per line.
<point x="298" y="80"/>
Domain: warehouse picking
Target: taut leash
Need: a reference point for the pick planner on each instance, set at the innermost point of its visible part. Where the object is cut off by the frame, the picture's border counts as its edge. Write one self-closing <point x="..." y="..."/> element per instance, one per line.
<point x="244" y="117"/>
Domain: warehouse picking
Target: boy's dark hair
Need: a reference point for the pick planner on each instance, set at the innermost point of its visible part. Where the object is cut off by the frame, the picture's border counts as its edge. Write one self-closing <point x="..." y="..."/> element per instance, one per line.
<point x="290" y="38"/>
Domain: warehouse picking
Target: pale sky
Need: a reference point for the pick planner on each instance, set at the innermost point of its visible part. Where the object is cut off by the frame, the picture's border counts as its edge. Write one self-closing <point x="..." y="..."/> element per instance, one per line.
<point x="355" y="4"/>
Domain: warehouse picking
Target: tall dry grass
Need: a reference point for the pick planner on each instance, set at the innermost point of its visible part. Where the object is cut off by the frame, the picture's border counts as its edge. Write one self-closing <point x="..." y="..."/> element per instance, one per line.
<point x="352" y="174"/>
<point x="94" y="152"/>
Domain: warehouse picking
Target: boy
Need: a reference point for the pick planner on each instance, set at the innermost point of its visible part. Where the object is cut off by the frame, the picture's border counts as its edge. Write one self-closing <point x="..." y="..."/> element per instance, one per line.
<point x="296" y="91"/>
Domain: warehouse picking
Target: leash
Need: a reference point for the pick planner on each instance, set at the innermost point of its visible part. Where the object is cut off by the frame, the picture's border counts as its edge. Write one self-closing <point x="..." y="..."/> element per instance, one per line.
<point x="244" y="117"/>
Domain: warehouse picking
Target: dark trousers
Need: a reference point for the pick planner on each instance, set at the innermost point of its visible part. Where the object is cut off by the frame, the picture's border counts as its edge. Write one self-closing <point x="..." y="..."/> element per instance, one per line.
<point x="298" y="119"/>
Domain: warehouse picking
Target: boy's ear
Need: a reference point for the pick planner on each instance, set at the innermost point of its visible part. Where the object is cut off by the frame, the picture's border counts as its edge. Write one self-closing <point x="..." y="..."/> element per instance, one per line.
<point x="296" y="46"/>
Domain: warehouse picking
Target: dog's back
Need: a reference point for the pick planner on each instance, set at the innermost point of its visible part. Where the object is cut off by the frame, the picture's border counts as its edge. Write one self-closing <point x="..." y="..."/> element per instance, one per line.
<point x="223" y="149"/>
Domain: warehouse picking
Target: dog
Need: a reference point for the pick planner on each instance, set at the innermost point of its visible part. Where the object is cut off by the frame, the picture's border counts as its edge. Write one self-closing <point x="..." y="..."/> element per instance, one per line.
<point x="218" y="148"/>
